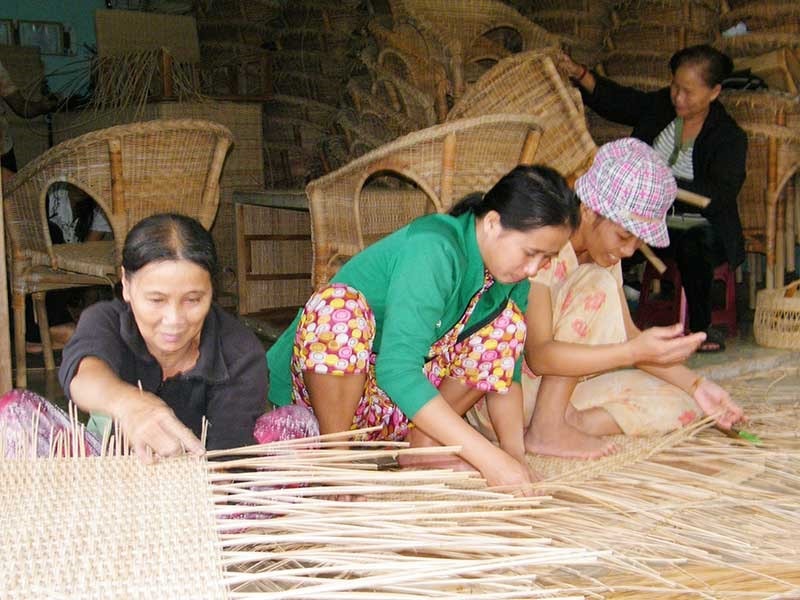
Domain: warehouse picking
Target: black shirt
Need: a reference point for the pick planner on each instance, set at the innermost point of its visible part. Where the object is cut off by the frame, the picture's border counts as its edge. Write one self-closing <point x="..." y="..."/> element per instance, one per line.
<point x="718" y="158"/>
<point x="227" y="385"/>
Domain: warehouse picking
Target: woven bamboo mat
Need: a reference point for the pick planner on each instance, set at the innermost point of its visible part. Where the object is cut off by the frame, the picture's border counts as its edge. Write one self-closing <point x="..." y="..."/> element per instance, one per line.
<point x="107" y="528"/>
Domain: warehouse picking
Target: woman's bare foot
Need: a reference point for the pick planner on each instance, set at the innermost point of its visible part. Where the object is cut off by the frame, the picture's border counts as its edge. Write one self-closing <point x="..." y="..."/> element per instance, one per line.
<point x="566" y="441"/>
<point x="417" y="439"/>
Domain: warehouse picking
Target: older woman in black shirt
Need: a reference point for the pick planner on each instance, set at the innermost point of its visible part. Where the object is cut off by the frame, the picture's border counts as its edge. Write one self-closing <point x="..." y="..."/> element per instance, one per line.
<point x="167" y="357"/>
<point x="706" y="150"/>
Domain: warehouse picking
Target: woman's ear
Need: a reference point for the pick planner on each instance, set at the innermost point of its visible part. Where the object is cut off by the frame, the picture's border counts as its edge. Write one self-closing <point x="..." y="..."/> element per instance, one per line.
<point x="124" y="281"/>
<point x="491" y="223"/>
<point x="715" y="91"/>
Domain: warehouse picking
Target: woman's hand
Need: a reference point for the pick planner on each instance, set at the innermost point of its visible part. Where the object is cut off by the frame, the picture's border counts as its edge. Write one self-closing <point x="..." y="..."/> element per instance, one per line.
<point x="664" y="345"/>
<point x="715" y="401"/>
<point x="567" y="66"/>
<point x="153" y="429"/>
<point x="503" y="470"/>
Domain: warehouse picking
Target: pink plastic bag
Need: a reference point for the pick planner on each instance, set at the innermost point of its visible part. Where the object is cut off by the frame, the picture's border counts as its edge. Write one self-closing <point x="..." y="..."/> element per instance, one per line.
<point x="286" y="423"/>
<point x="18" y="410"/>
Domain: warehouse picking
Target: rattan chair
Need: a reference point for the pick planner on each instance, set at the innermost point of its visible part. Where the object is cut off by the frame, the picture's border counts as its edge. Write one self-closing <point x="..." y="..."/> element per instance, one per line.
<point x="131" y="171"/>
<point x="445" y="162"/>
<point x="461" y="24"/>
<point x="767" y="202"/>
<point x="528" y="83"/>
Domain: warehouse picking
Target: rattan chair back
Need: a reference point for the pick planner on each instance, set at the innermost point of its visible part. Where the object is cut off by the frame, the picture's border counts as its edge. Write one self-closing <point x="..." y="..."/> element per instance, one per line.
<point x="444" y="163"/>
<point x="131" y="171"/>
<point x="528" y="83"/>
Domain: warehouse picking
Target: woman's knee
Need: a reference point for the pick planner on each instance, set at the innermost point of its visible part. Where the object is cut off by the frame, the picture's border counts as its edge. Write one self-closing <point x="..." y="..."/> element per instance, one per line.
<point x="335" y="332"/>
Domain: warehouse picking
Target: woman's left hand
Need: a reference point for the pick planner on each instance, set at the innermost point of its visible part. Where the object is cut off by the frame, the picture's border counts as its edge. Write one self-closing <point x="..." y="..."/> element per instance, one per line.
<point x="715" y="400"/>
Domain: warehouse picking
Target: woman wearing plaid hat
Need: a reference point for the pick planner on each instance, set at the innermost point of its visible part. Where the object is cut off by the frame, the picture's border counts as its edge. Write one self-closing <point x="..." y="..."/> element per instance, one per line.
<point x="580" y="330"/>
<point x="706" y="151"/>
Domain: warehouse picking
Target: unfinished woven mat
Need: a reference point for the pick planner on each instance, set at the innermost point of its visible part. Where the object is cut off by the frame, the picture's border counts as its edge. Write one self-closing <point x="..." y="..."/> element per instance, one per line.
<point x="693" y="514"/>
<point x="108" y="528"/>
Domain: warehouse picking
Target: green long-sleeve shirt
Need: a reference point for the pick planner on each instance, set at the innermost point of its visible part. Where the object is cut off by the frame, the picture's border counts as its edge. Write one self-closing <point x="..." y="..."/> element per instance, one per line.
<point x="418" y="282"/>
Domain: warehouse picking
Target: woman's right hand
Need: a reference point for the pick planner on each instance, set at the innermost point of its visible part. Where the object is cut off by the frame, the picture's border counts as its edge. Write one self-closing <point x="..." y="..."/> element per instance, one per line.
<point x="152" y="428"/>
<point x="664" y="345"/>
<point x="502" y="470"/>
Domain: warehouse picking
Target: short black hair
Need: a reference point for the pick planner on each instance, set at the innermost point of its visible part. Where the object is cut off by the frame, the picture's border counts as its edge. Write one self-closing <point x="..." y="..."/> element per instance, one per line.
<point x="716" y="66"/>
<point x="526" y="198"/>
<point x="169" y="236"/>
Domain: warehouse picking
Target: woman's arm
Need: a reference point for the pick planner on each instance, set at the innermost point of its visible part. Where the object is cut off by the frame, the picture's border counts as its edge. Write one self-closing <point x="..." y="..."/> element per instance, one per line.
<point x="506" y="413"/>
<point x="147" y="422"/>
<point x="547" y="356"/>
<point x="438" y="420"/>
<point x="712" y="398"/>
<point x="609" y="99"/>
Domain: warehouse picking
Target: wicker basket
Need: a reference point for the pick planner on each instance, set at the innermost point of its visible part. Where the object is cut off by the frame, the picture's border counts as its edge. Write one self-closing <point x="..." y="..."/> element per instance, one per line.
<point x="777" y="318"/>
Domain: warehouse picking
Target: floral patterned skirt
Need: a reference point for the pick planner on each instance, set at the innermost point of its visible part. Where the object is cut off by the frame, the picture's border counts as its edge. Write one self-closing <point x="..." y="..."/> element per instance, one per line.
<point x="335" y="335"/>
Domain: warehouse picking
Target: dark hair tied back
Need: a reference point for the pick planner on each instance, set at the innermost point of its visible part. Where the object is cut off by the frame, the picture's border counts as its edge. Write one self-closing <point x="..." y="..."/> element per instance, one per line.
<point x="716" y="66"/>
<point x="169" y="236"/>
<point x="529" y="197"/>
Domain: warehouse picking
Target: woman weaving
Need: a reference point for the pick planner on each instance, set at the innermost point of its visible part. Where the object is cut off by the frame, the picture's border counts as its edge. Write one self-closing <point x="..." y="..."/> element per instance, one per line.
<point x="167" y="356"/>
<point x="580" y="331"/>
<point x="414" y="329"/>
<point x="706" y="151"/>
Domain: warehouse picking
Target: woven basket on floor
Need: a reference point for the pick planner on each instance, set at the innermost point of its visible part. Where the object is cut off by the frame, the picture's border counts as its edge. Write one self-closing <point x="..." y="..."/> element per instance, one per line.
<point x="777" y="319"/>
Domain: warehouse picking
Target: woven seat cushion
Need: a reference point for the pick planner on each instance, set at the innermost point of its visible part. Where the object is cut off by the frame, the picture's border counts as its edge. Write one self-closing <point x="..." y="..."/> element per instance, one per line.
<point x="94" y="258"/>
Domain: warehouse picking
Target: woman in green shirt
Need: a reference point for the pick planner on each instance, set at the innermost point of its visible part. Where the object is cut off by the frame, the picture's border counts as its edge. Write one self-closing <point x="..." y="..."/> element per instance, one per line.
<point x="418" y="327"/>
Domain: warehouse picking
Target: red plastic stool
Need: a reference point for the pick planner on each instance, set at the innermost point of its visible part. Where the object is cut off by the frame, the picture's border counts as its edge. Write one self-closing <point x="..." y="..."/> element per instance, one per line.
<point x="654" y="311"/>
<point x="726" y="315"/>
<point x="658" y="311"/>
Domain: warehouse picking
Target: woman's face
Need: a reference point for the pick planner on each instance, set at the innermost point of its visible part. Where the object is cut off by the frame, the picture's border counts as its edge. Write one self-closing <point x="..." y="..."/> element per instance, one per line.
<point x="689" y="92"/>
<point x="606" y="241"/>
<point x="511" y="255"/>
<point x="170" y="300"/>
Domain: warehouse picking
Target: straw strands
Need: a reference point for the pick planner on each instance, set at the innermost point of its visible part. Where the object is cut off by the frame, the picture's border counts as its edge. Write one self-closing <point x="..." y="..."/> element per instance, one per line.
<point x="693" y="514"/>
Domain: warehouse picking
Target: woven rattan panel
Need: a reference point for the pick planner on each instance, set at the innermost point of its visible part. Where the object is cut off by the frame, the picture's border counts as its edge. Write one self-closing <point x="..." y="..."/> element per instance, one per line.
<point x="122" y="32"/>
<point x="149" y="534"/>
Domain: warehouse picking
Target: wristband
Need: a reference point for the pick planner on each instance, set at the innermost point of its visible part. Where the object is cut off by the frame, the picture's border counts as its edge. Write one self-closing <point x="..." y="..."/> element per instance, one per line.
<point x="584" y="71"/>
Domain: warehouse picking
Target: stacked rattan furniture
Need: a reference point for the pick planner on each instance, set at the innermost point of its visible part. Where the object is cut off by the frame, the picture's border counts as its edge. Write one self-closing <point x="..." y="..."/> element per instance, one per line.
<point x="131" y="171"/>
<point x="582" y="25"/>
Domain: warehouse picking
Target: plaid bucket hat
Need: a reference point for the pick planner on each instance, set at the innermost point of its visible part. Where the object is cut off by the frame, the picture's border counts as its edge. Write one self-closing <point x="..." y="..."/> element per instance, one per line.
<point x="631" y="185"/>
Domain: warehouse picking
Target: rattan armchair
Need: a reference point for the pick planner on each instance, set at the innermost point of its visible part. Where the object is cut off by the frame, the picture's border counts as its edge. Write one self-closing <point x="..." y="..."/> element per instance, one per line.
<point x="528" y="83"/>
<point x="444" y="162"/>
<point x="131" y="171"/>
